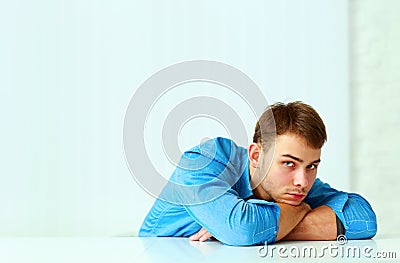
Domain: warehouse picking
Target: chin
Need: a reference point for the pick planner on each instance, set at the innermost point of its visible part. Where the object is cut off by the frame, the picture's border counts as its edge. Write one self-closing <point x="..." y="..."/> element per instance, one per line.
<point x="292" y="202"/>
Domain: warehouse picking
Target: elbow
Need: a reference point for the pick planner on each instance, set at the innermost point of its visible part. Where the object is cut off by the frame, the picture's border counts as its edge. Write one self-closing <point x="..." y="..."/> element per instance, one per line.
<point x="245" y="236"/>
<point x="362" y="224"/>
<point x="253" y="224"/>
<point x="236" y="237"/>
<point x="362" y="229"/>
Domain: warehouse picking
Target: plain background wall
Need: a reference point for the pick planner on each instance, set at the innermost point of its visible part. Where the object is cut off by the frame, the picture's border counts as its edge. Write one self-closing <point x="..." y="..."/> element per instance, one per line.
<point x="375" y="108"/>
<point x="69" y="68"/>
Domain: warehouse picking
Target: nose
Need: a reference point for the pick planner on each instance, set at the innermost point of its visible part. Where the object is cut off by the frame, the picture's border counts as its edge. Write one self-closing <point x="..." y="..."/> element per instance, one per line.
<point x="300" y="178"/>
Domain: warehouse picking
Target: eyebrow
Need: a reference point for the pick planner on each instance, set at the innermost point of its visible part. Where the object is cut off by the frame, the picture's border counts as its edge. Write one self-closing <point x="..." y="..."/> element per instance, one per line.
<point x="298" y="159"/>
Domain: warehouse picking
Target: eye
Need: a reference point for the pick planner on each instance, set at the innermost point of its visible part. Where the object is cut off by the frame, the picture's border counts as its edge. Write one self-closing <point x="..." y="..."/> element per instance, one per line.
<point x="288" y="164"/>
<point x="312" y="166"/>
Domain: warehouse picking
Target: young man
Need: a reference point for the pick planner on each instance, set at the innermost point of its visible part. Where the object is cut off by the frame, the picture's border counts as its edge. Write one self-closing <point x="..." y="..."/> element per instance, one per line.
<point x="266" y="193"/>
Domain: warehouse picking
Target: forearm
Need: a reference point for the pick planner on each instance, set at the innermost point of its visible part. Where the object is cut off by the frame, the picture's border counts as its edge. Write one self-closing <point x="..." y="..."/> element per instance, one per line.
<point x="290" y="217"/>
<point x="318" y="224"/>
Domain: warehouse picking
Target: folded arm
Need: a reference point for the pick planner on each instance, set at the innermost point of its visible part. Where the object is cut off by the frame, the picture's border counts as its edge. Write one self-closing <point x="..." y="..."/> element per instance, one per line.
<point x="212" y="202"/>
<point x="299" y="223"/>
<point x="289" y="218"/>
<point x="236" y="222"/>
<point x="353" y="211"/>
<point x="319" y="224"/>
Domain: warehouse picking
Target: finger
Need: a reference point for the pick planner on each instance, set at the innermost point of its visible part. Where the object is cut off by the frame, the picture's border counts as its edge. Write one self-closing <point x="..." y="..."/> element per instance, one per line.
<point x="205" y="237"/>
<point x="198" y="235"/>
<point x="194" y="237"/>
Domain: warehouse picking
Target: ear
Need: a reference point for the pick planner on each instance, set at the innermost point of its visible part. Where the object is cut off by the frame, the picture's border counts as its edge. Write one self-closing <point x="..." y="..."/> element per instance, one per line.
<point x="254" y="152"/>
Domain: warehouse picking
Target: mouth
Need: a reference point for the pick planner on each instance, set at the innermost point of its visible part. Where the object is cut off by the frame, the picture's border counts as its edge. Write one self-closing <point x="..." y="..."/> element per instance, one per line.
<point x="296" y="196"/>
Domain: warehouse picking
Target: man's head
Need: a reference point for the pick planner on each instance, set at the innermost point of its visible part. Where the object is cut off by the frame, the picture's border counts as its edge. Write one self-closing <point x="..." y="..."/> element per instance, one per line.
<point x="286" y="172"/>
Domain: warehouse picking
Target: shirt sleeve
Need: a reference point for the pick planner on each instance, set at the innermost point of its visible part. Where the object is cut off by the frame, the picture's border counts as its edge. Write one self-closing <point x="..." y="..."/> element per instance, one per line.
<point x="236" y="222"/>
<point x="353" y="210"/>
<point x="219" y="208"/>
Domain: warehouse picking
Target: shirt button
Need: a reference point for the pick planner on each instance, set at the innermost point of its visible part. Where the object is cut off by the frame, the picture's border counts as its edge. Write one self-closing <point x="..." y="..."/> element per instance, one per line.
<point x="275" y="233"/>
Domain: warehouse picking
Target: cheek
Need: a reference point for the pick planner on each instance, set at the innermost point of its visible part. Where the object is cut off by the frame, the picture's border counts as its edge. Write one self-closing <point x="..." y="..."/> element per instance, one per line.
<point x="281" y="176"/>
<point x="311" y="180"/>
<point x="313" y="175"/>
<point x="285" y="173"/>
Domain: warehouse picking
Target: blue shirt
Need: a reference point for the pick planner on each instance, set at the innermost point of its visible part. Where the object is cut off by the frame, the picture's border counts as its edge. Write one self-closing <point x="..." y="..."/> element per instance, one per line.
<point x="210" y="188"/>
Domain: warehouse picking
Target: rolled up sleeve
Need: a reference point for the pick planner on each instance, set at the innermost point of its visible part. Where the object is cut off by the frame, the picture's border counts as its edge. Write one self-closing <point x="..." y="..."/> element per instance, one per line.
<point x="352" y="209"/>
<point x="358" y="218"/>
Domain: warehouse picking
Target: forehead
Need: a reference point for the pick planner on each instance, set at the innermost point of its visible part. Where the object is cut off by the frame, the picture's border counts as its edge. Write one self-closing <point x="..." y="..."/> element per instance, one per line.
<point x="296" y="146"/>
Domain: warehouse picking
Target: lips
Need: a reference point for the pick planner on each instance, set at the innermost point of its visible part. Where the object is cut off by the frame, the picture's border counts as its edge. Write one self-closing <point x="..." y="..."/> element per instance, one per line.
<point x="296" y="195"/>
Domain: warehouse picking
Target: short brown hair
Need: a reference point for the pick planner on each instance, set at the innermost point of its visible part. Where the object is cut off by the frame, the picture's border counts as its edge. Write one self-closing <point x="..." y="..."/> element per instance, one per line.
<point x="295" y="117"/>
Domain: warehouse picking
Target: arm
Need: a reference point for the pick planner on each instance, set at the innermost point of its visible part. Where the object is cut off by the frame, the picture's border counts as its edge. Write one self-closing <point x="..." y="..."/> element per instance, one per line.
<point x="216" y="206"/>
<point x="290" y="216"/>
<point x="359" y="219"/>
<point x="236" y="222"/>
<point x="204" y="185"/>
<point x="353" y="210"/>
<point x="319" y="224"/>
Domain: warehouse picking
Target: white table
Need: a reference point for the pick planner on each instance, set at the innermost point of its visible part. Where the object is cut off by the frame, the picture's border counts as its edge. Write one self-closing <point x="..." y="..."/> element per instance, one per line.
<point x="134" y="249"/>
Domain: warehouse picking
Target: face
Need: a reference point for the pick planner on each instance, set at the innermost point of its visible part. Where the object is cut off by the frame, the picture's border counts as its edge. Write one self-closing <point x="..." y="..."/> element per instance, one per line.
<point x="290" y="175"/>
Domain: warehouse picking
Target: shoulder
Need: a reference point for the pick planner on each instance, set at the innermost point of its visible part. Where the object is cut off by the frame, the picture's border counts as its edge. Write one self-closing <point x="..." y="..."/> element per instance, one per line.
<point x="220" y="149"/>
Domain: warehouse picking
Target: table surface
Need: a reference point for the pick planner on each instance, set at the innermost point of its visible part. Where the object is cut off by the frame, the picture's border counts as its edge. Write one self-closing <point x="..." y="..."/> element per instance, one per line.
<point x="135" y="249"/>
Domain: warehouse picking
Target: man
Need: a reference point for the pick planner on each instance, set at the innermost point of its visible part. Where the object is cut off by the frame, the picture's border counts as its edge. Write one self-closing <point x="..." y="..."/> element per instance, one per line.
<point x="266" y="193"/>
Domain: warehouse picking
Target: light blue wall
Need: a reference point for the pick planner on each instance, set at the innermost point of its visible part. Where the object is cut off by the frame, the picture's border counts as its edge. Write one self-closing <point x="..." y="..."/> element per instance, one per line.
<point x="68" y="70"/>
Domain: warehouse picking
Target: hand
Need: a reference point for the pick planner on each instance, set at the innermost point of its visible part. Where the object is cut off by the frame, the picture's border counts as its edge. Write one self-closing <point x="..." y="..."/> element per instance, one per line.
<point x="202" y="235"/>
